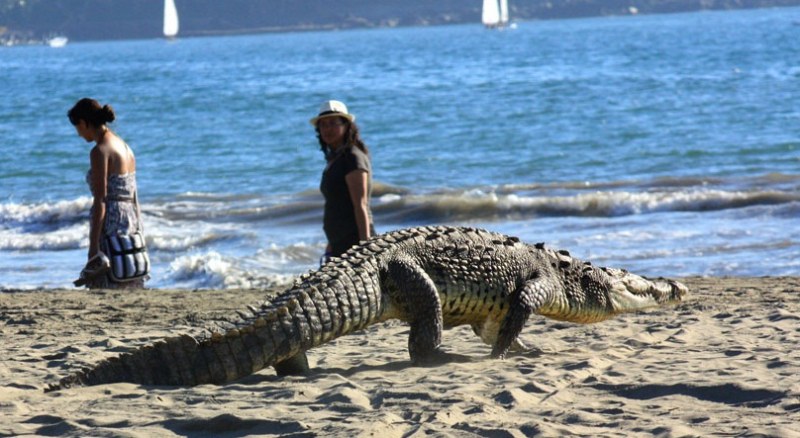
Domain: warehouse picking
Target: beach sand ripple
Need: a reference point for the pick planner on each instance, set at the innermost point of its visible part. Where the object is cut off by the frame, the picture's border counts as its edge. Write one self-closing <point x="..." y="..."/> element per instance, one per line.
<point x="725" y="362"/>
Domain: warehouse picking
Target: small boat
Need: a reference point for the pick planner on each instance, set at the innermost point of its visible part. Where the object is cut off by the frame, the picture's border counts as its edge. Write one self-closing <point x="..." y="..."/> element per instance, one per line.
<point x="170" y="19"/>
<point x="58" y="41"/>
<point x="495" y="14"/>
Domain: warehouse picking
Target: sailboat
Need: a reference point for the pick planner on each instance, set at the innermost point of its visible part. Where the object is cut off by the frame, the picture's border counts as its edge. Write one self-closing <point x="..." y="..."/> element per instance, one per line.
<point x="495" y="14"/>
<point x="170" y="19"/>
<point x="57" y="41"/>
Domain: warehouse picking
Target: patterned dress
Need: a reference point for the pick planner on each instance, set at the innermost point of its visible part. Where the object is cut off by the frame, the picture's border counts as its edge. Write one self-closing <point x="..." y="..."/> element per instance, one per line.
<point x="122" y="217"/>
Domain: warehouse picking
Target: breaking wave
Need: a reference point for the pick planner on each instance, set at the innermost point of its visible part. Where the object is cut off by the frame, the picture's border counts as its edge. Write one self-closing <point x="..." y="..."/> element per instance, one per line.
<point x="197" y="220"/>
<point x="481" y="205"/>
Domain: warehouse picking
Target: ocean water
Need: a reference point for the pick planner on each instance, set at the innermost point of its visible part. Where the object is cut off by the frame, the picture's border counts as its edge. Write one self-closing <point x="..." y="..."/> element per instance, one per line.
<point x="667" y="144"/>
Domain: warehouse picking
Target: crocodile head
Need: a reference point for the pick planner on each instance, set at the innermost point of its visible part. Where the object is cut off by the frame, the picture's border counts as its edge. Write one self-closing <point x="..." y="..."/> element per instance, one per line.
<point x="596" y="294"/>
<point x="630" y="292"/>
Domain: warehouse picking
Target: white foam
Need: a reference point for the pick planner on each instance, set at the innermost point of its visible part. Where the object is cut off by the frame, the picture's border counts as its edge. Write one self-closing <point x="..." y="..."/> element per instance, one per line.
<point x="13" y="214"/>
<point x="75" y="236"/>
<point x="212" y="270"/>
<point x="44" y="225"/>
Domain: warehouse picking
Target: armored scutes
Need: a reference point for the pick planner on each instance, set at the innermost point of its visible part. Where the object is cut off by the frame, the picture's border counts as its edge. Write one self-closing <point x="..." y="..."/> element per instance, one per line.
<point x="430" y="277"/>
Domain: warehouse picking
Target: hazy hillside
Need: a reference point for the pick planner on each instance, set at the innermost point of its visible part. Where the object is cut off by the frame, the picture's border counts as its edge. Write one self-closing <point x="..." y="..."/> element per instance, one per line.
<point x="116" y="19"/>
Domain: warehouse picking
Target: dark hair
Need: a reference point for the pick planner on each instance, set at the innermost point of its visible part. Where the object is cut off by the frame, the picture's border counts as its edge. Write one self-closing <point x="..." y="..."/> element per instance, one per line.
<point x="351" y="137"/>
<point x="90" y="110"/>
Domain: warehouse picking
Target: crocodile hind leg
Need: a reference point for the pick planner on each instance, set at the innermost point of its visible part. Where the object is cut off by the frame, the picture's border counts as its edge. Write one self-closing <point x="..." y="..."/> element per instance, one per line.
<point x="418" y="296"/>
<point x="295" y="365"/>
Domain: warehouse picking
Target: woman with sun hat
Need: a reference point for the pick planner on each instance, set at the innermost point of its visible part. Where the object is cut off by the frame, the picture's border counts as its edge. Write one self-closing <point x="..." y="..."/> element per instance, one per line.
<point x="346" y="180"/>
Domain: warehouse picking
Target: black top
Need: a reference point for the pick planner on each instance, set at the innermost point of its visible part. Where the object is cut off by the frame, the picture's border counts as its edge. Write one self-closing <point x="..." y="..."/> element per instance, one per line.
<point x="339" y="220"/>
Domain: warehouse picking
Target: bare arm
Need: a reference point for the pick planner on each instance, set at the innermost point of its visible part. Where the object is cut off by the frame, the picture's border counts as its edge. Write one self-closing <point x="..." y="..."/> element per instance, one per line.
<point x="99" y="161"/>
<point x="357" y="185"/>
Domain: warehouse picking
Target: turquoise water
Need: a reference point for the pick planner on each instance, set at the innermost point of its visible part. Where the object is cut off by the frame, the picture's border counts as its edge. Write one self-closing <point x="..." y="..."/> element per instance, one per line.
<point x="665" y="144"/>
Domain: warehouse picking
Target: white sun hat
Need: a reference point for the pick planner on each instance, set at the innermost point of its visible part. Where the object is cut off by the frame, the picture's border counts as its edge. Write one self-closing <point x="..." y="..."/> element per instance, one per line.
<point x="332" y="108"/>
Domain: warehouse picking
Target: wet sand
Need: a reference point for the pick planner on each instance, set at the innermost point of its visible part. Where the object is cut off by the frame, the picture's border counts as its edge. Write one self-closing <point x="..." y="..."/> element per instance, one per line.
<point x="725" y="362"/>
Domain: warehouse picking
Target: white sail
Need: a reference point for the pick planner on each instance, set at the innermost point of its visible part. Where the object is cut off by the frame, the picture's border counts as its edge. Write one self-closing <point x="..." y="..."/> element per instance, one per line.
<point x="170" y="19"/>
<point x="503" y="12"/>
<point x="491" y="13"/>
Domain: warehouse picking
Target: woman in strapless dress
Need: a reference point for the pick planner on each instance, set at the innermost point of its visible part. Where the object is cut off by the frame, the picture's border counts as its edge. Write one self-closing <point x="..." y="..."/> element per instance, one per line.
<point x="112" y="181"/>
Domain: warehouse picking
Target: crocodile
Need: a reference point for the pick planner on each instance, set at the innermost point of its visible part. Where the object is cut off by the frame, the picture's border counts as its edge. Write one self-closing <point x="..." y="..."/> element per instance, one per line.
<point x="432" y="277"/>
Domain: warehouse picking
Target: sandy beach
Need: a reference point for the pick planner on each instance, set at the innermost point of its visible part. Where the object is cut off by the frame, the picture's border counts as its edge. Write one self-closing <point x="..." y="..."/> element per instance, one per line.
<point x="724" y="363"/>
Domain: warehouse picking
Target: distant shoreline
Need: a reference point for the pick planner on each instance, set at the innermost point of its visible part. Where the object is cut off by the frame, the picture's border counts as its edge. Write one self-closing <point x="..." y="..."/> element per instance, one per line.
<point x="35" y="22"/>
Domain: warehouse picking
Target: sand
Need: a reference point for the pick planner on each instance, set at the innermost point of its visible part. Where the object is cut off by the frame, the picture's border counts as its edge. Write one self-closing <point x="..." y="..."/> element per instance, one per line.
<point x="724" y="363"/>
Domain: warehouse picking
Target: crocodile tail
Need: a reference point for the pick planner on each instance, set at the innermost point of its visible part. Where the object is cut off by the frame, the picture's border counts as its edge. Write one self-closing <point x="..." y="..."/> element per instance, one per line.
<point x="301" y="318"/>
<point x="185" y="361"/>
<point x="152" y="364"/>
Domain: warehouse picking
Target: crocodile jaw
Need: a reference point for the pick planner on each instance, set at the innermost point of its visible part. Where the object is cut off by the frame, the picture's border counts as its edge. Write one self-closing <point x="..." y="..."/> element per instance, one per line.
<point x="633" y="294"/>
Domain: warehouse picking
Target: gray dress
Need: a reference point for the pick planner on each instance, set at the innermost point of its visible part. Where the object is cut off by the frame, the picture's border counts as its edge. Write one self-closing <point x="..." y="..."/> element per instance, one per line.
<point x="122" y="217"/>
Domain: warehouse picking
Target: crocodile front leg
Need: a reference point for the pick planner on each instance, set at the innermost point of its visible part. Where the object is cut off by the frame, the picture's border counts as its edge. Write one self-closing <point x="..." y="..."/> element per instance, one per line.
<point x="488" y="332"/>
<point x="524" y="301"/>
